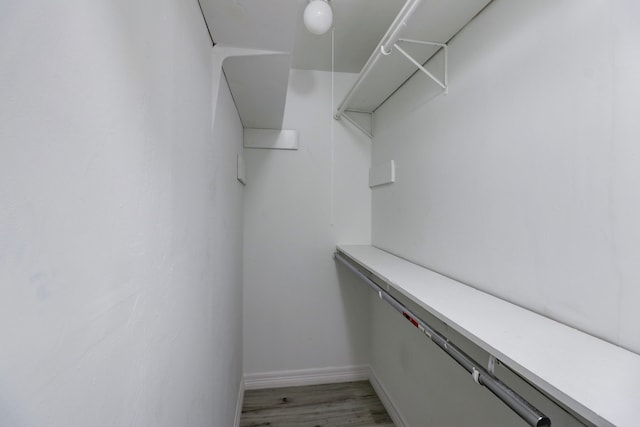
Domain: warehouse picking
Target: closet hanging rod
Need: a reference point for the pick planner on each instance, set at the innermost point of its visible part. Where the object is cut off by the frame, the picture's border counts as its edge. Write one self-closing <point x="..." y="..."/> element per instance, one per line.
<point x="388" y="40"/>
<point x="513" y="400"/>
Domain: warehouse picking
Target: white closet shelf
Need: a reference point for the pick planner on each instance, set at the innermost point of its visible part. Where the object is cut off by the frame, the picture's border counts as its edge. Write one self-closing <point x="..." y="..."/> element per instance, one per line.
<point x="598" y="380"/>
<point x="258" y="81"/>
<point x="419" y="31"/>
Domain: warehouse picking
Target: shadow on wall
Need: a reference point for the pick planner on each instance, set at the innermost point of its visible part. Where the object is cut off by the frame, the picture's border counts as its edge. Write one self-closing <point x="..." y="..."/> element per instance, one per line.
<point x="357" y="314"/>
<point x="302" y="83"/>
<point x="8" y="413"/>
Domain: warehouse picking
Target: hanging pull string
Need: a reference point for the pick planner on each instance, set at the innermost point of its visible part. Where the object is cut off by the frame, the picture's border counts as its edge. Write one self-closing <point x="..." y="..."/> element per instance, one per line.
<point x="333" y="187"/>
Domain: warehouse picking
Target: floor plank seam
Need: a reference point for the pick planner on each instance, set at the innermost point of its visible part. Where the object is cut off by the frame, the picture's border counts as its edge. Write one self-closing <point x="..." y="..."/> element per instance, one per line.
<point x="351" y="404"/>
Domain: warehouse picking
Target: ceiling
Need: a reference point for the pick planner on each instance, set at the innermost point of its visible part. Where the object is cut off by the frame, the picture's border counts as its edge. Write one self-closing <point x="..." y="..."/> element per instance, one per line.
<point x="258" y="83"/>
<point x="276" y="25"/>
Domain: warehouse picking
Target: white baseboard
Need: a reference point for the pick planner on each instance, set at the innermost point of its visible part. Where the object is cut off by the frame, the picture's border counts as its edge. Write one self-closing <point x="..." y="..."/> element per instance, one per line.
<point x="304" y="377"/>
<point x="386" y="400"/>
<point x="239" y="403"/>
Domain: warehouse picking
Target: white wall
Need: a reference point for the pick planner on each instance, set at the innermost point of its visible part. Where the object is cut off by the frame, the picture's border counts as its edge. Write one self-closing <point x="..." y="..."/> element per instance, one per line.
<point x="224" y="227"/>
<point x="523" y="181"/>
<point x="300" y="311"/>
<point x="119" y="218"/>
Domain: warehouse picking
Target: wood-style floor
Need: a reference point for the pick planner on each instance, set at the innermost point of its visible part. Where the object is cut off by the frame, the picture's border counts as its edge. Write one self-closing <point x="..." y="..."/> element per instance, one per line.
<point x="352" y="404"/>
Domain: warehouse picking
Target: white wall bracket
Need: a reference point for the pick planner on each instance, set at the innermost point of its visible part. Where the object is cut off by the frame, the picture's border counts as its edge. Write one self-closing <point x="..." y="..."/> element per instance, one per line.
<point x="364" y="126"/>
<point x="491" y="365"/>
<point x="382" y="174"/>
<point x="444" y="83"/>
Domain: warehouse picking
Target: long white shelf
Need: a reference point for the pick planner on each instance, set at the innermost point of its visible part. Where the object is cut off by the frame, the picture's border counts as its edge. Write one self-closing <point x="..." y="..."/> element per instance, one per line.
<point x="598" y="380"/>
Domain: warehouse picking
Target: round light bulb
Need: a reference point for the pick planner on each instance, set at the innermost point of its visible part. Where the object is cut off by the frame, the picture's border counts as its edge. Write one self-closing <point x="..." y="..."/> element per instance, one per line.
<point x="318" y="17"/>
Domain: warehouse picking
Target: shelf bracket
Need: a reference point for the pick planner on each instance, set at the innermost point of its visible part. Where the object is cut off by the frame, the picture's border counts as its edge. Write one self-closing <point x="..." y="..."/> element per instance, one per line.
<point x="491" y="366"/>
<point x="367" y="129"/>
<point x="444" y="83"/>
<point x="390" y="41"/>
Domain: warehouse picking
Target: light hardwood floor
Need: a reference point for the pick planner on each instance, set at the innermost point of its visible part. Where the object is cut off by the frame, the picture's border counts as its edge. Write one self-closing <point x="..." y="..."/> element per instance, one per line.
<point x="353" y="404"/>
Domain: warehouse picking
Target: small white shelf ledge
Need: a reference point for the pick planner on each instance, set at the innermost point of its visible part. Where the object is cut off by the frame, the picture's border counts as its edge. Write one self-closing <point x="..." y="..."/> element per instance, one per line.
<point x="418" y="32"/>
<point x="598" y="380"/>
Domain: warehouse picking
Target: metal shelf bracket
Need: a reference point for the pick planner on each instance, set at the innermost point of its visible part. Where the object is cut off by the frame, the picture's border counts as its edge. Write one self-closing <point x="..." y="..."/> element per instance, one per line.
<point x="390" y="41"/>
<point x="444" y="83"/>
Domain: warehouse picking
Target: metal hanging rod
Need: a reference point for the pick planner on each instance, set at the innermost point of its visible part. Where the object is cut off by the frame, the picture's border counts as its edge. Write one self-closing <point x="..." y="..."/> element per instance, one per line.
<point x="407" y="9"/>
<point x="386" y="46"/>
<point x="513" y="400"/>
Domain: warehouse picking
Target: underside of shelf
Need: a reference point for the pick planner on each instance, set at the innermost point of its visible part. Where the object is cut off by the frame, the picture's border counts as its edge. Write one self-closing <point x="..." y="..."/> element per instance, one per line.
<point x="389" y="73"/>
<point x="418" y="33"/>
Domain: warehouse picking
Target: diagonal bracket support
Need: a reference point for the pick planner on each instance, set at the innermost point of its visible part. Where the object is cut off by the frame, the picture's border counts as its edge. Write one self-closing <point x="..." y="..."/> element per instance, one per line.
<point x="444" y="82"/>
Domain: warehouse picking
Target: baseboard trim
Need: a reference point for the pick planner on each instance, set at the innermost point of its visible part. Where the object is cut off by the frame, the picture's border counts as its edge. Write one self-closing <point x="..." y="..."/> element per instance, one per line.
<point x="304" y="377"/>
<point x="386" y="400"/>
<point x="239" y="403"/>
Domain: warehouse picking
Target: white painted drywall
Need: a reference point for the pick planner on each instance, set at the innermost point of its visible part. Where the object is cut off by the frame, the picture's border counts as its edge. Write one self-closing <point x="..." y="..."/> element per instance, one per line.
<point x="300" y="311"/>
<point x="523" y="180"/>
<point x="120" y="218"/>
<point x="225" y="236"/>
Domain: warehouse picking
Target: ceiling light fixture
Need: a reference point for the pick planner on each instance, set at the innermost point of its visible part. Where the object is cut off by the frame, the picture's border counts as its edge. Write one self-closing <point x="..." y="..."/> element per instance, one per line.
<point x="318" y="17"/>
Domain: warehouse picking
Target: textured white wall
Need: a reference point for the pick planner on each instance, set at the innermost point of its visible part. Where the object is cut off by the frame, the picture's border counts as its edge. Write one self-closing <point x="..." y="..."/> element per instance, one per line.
<point x="120" y="218"/>
<point x="523" y="181"/>
<point x="299" y="313"/>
